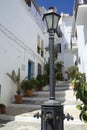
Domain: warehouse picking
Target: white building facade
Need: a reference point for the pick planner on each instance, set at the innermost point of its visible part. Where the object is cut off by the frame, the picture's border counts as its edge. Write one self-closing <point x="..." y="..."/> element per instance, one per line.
<point x="22" y="43"/>
<point x="80" y="25"/>
<point x="65" y="54"/>
<point x="23" y="40"/>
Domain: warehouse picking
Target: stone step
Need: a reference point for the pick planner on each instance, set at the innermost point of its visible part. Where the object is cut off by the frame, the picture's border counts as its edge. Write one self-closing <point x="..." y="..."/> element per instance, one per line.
<point x="30" y="105"/>
<point x="58" y="94"/>
<point x="57" y="88"/>
<point x="39" y="97"/>
<point x="62" y="83"/>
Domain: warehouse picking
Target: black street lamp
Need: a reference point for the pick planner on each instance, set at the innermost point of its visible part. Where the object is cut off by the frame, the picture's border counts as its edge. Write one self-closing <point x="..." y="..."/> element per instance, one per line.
<point x="51" y="20"/>
<point x="52" y="110"/>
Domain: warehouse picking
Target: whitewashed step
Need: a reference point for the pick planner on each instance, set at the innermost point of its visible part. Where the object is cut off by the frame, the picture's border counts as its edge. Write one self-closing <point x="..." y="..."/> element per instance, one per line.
<point x="35" y="101"/>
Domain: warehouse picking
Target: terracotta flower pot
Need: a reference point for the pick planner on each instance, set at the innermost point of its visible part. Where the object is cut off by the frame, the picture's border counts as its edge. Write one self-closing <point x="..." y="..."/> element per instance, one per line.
<point x="18" y="99"/>
<point x="2" y="110"/>
<point x="29" y="92"/>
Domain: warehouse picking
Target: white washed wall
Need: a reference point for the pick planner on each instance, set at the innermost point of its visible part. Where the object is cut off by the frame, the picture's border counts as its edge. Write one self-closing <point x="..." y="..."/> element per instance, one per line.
<point x="66" y="56"/>
<point x="18" y="44"/>
<point x="82" y="47"/>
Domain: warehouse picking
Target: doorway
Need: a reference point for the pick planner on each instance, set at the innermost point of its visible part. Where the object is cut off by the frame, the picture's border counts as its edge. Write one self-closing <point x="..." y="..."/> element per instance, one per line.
<point x="30" y="69"/>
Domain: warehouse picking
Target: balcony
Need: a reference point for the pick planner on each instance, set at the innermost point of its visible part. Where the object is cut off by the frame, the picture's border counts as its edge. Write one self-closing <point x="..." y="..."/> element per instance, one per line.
<point x="81" y="11"/>
<point x="80" y="2"/>
<point x="81" y="15"/>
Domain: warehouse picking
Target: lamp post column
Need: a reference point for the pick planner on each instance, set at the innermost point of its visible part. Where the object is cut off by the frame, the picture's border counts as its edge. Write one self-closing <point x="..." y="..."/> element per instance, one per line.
<point x="52" y="71"/>
<point x="52" y="115"/>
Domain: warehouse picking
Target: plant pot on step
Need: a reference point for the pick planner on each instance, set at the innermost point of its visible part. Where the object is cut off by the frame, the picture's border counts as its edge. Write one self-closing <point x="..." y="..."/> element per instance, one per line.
<point x="2" y="109"/>
<point x="15" y="77"/>
<point x="29" y="92"/>
<point x="28" y="85"/>
<point x="18" y="99"/>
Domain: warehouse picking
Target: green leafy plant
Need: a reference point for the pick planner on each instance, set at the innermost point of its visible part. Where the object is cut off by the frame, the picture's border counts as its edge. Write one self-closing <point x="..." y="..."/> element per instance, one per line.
<point x="25" y="84"/>
<point x="29" y="84"/>
<point x="43" y="80"/>
<point x="72" y="71"/>
<point x="80" y="91"/>
<point x="33" y="83"/>
<point x="15" y="77"/>
<point x="83" y="113"/>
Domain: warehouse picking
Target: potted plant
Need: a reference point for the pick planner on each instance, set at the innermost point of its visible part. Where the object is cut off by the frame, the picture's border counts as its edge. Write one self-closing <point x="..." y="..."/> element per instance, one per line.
<point x="16" y="79"/>
<point x="43" y="81"/>
<point x="2" y="108"/>
<point x="28" y="86"/>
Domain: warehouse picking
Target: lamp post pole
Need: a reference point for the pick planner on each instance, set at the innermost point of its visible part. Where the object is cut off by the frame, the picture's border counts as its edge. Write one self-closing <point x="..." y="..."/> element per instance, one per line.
<point x="52" y="110"/>
<point x="52" y="71"/>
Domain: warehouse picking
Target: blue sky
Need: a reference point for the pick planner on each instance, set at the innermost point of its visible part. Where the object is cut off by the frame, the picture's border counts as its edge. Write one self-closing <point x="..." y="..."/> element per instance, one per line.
<point x="65" y="6"/>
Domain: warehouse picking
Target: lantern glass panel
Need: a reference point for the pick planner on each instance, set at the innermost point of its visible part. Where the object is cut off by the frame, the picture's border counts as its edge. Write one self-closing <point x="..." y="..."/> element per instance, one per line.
<point x="56" y="19"/>
<point x="45" y="23"/>
<point x="49" y="21"/>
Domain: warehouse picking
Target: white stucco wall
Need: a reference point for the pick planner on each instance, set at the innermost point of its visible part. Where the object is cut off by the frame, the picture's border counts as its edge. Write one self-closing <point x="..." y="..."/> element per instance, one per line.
<point x="66" y="56"/>
<point x="82" y="48"/>
<point x="18" y="44"/>
<point x="68" y="59"/>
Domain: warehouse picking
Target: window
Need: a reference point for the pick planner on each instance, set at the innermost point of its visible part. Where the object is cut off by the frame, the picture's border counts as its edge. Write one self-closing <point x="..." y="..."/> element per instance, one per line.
<point x="38" y="49"/>
<point x="59" y="48"/>
<point x="30" y="69"/>
<point x="38" y="44"/>
<point x="42" y="48"/>
<point x="39" y="69"/>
